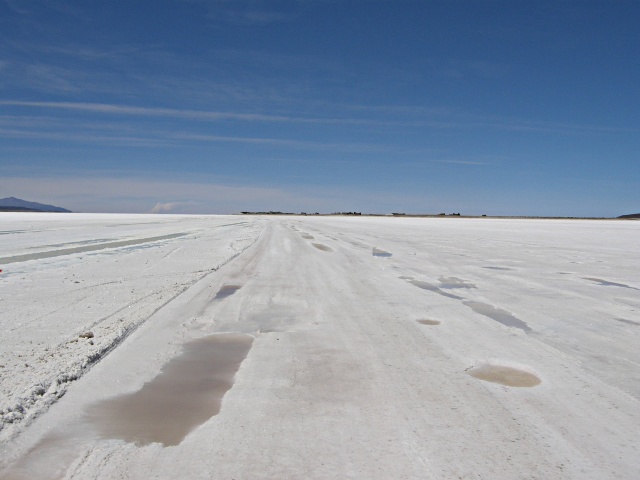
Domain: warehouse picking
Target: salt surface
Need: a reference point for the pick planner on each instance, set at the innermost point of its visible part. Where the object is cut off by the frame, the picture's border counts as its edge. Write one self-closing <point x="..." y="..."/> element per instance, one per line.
<point x="336" y="340"/>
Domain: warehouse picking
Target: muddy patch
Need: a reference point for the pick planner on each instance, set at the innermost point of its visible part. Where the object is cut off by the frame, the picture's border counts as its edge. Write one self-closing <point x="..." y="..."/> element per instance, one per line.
<point x="499" y="315"/>
<point x="606" y="283"/>
<point x="433" y="288"/>
<point x="226" y="291"/>
<point x="306" y="236"/>
<point x="509" y="376"/>
<point x="380" y="253"/>
<point x="427" y="321"/>
<point x="187" y="392"/>
<point x="322" y="247"/>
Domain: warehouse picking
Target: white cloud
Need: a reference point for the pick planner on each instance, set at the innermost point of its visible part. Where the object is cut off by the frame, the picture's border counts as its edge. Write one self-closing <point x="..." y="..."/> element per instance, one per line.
<point x="169" y="206"/>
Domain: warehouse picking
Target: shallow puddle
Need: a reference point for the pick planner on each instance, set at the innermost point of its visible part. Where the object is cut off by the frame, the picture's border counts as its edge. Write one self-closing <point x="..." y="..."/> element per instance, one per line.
<point x="606" y="283"/>
<point x="429" y="322"/>
<point x="509" y="376"/>
<point x="322" y="247"/>
<point x="433" y="288"/>
<point x="187" y="392"/>
<point x="226" y="291"/>
<point x="499" y="315"/>
<point x="380" y="253"/>
<point x="307" y="236"/>
<point x="454" y="282"/>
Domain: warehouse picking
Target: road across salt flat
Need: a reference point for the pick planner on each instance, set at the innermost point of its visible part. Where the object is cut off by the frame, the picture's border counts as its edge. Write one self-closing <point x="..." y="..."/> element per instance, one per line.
<point x="370" y="348"/>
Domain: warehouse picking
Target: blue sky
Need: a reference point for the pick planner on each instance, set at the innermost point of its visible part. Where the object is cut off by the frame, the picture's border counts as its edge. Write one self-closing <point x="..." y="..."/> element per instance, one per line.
<point x="213" y="106"/>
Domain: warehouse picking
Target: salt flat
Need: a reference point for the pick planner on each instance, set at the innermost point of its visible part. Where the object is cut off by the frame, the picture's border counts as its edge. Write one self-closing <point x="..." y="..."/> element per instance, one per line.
<point x="337" y="347"/>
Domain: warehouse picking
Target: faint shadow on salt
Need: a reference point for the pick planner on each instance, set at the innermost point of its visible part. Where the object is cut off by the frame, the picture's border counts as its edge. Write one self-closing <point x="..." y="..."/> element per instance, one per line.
<point x="226" y="291"/>
<point x="606" y="283"/>
<point x="499" y="315"/>
<point x="628" y="322"/>
<point x="497" y="268"/>
<point x="307" y="236"/>
<point x="187" y="392"/>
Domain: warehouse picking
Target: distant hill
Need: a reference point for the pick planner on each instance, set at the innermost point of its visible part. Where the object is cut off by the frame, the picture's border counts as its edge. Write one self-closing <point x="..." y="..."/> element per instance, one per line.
<point x="631" y="215"/>
<point x="13" y="204"/>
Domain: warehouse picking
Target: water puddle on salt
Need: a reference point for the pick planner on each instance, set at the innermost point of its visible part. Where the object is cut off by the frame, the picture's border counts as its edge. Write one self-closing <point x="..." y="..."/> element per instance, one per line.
<point x="380" y="253"/>
<point x="226" y="291"/>
<point x="429" y="322"/>
<point x="454" y="282"/>
<point x="509" y="376"/>
<point x="322" y="247"/>
<point x="433" y="288"/>
<point x="307" y="236"/>
<point x="499" y="315"/>
<point x="606" y="283"/>
<point x="187" y="392"/>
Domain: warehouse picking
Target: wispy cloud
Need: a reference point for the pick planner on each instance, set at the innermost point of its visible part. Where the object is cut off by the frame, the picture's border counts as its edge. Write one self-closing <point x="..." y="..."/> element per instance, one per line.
<point x="140" y="195"/>
<point x="205" y="115"/>
<point x="154" y="112"/>
<point x="257" y="17"/>
<point x="463" y="162"/>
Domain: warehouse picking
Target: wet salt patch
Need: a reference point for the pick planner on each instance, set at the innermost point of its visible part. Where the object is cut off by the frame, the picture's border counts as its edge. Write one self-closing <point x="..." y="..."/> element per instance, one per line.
<point x="187" y="392"/>
<point x="48" y="459"/>
<point x="322" y="247"/>
<point x="434" y="289"/>
<point x="87" y="248"/>
<point x="307" y="236"/>
<point x="509" y="376"/>
<point x="426" y="321"/>
<point x="497" y="268"/>
<point x="499" y="315"/>
<point x="380" y="253"/>
<point x="226" y="291"/>
<point x="606" y="283"/>
<point x="454" y="282"/>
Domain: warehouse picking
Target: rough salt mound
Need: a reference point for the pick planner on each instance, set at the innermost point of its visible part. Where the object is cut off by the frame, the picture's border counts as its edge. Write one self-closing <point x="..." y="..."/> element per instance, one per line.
<point x="13" y="203"/>
<point x="631" y="215"/>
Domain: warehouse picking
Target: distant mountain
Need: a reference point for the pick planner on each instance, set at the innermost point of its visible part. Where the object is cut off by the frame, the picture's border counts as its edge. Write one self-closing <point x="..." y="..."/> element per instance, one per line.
<point x="631" y="215"/>
<point x="17" y="205"/>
